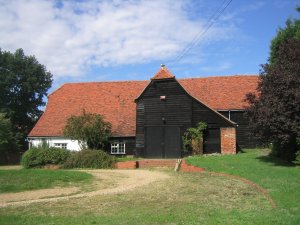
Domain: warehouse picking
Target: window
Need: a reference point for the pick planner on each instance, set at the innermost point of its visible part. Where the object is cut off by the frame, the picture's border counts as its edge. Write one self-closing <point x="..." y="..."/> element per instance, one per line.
<point x="117" y="148"/>
<point x="60" y="145"/>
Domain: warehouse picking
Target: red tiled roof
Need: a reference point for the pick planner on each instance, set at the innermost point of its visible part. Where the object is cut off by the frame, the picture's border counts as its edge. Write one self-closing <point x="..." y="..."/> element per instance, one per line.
<point x="163" y="73"/>
<point x="115" y="100"/>
<point x="221" y="93"/>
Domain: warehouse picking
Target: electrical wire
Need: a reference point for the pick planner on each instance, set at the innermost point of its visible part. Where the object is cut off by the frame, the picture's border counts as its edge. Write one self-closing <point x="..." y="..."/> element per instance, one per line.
<point x="212" y="19"/>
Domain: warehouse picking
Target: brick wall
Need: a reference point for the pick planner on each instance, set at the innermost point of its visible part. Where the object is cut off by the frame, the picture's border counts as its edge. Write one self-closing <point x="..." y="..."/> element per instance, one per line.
<point x="228" y="140"/>
<point x="184" y="167"/>
<point x="126" y="165"/>
<point x="150" y="163"/>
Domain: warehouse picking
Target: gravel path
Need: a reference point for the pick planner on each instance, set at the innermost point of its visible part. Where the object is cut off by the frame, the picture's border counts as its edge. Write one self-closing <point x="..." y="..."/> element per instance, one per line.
<point x="132" y="180"/>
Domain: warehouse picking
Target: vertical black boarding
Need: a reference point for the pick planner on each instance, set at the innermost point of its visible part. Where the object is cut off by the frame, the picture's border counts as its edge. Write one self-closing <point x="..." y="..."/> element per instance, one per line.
<point x="163" y="142"/>
<point x="154" y="142"/>
<point x="172" y="142"/>
<point x="164" y="111"/>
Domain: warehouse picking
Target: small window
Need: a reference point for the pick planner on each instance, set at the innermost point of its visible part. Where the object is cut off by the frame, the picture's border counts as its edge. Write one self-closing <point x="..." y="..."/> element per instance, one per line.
<point x="117" y="148"/>
<point x="60" y="145"/>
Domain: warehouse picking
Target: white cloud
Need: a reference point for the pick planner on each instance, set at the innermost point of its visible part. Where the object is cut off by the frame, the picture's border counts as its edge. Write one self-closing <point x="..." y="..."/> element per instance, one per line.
<point x="70" y="36"/>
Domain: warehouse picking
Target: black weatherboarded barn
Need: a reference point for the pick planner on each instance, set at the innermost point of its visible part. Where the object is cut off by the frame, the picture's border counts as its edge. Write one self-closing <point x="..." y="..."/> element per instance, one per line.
<point x="164" y="111"/>
<point x="149" y="118"/>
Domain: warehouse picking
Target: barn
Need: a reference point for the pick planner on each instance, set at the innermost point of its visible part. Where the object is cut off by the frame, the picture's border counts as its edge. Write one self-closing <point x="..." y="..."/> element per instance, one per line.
<point x="149" y="117"/>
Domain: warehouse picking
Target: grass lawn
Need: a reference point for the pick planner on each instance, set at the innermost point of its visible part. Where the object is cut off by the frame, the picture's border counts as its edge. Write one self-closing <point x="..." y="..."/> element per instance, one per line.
<point x="184" y="198"/>
<point x="280" y="179"/>
<point x="33" y="179"/>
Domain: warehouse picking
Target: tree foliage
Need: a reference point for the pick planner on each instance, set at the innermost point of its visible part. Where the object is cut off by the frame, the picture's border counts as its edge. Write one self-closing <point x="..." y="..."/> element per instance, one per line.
<point x="292" y="30"/>
<point x="24" y="83"/>
<point x="89" y="129"/>
<point x="7" y="137"/>
<point x="275" y="112"/>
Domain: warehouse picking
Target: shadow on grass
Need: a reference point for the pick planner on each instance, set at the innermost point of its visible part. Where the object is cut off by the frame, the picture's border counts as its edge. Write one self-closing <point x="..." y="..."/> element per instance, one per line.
<point x="275" y="161"/>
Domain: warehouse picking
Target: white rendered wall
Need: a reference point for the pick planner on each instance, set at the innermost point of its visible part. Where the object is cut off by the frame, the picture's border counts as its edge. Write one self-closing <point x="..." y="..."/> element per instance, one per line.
<point x="71" y="144"/>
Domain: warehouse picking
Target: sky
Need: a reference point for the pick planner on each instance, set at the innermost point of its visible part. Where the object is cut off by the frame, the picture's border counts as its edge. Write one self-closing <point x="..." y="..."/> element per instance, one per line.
<point x="114" y="40"/>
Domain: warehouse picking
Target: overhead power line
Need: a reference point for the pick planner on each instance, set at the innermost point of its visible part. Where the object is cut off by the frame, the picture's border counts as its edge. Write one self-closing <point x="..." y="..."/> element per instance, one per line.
<point x="212" y="19"/>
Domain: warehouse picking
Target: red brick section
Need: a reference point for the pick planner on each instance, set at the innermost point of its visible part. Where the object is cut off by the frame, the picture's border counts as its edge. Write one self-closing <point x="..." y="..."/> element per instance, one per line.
<point x="151" y="163"/>
<point x="189" y="168"/>
<point x="228" y="140"/>
<point x="126" y="165"/>
<point x="115" y="100"/>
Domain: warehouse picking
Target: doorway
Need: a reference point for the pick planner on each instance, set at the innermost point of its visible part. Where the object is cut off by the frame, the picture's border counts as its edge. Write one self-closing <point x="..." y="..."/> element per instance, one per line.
<point x="163" y="142"/>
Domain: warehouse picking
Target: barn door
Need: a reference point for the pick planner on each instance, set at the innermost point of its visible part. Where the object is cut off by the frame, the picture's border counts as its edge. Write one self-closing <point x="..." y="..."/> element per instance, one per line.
<point x="172" y="142"/>
<point x="163" y="142"/>
<point x="154" y="142"/>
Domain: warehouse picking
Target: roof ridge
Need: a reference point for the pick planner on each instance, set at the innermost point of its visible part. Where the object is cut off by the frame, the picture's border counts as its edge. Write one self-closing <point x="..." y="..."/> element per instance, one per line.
<point x="188" y="78"/>
<point x="220" y="76"/>
<point x="99" y="82"/>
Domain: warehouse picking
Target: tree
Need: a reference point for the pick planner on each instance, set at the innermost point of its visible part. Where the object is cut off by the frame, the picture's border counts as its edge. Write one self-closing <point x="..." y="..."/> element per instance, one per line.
<point x="275" y="113"/>
<point x="24" y="83"/>
<point x="7" y="138"/>
<point x="89" y="129"/>
<point x="8" y="141"/>
<point x="292" y="30"/>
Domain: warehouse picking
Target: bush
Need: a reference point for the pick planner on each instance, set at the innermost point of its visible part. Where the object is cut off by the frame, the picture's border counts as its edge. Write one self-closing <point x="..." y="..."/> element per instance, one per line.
<point x="90" y="159"/>
<point x="193" y="139"/>
<point x="297" y="159"/>
<point x="41" y="156"/>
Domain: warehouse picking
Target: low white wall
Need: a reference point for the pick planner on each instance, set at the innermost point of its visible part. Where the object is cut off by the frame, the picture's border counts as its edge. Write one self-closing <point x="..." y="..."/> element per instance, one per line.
<point x="71" y="144"/>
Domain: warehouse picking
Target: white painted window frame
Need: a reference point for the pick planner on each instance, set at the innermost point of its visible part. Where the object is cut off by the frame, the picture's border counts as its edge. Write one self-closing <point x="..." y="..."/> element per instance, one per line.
<point x="118" y="148"/>
<point x="61" y="145"/>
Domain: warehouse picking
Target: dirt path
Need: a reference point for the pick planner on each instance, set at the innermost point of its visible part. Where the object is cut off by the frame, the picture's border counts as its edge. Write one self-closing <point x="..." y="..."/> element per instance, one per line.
<point x="120" y="180"/>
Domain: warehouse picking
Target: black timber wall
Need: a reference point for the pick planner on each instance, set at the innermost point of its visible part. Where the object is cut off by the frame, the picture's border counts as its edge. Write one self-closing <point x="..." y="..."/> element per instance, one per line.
<point x="129" y="144"/>
<point x="179" y="109"/>
<point x="214" y="123"/>
<point x="245" y="139"/>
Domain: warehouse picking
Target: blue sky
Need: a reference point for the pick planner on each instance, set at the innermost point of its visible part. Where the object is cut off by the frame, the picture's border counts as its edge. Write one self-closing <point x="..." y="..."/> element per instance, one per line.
<point x="82" y="41"/>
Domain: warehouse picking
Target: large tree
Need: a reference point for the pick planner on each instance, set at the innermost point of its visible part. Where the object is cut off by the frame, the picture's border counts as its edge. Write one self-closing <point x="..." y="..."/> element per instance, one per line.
<point x="24" y="83"/>
<point x="7" y="138"/>
<point x="91" y="130"/>
<point x="291" y="30"/>
<point x="275" y="112"/>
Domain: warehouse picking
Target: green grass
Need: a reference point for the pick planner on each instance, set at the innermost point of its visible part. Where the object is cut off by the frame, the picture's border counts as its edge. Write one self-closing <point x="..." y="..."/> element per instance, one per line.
<point x="185" y="198"/>
<point x="279" y="178"/>
<point x="33" y="179"/>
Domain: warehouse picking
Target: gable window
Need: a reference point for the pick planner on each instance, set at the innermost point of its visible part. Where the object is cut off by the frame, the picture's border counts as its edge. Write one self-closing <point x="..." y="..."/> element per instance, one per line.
<point x="117" y="148"/>
<point x="60" y="145"/>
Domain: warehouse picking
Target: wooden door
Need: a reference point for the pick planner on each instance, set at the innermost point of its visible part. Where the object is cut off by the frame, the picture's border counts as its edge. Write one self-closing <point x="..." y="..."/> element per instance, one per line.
<point x="172" y="142"/>
<point x="163" y="142"/>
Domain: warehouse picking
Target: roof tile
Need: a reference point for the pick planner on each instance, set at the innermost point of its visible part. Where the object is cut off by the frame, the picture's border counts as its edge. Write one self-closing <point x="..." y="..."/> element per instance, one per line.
<point x="163" y="73"/>
<point x="115" y="100"/>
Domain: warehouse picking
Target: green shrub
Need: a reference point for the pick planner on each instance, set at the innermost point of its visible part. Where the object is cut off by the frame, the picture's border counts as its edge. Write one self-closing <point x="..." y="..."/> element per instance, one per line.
<point x="90" y="159"/>
<point x="297" y="159"/>
<point x="193" y="139"/>
<point x="41" y="156"/>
